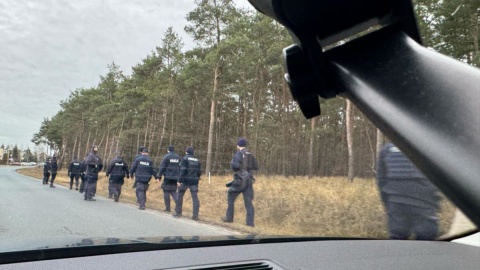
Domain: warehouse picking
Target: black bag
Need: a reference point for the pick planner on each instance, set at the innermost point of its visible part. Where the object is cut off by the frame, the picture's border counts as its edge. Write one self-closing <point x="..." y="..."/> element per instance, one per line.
<point x="244" y="177"/>
<point x="249" y="161"/>
<point x="240" y="180"/>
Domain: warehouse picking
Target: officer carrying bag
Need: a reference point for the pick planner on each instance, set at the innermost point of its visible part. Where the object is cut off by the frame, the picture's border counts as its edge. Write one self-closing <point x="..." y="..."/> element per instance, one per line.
<point x="244" y="176"/>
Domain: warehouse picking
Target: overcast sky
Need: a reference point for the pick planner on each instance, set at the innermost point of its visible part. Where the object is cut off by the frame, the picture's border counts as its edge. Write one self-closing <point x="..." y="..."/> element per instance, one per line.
<point x="51" y="47"/>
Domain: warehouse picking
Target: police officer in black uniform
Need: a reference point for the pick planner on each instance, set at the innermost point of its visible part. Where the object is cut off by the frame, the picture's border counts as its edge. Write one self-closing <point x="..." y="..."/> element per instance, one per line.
<point x="74" y="171"/>
<point x="410" y="199"/>
<point x="243" y="163"/>
<point x="53" y="169"/>
<point x="170" y="169"/>
<point x="135" y="158"/>
<point x="143" y="170"/>
<point x="46" y="171"/>
<point x="190" y="171"/>
<point x="93" y="165"/>
<point x="83" y="176"/>
<point x="117" y="170"/>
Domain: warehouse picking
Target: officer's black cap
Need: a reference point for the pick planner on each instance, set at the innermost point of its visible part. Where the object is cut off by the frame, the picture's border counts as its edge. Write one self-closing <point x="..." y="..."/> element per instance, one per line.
<point x="242" y="142"/>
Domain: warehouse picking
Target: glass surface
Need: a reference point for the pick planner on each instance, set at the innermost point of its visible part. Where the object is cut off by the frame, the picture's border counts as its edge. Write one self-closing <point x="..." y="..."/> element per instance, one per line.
<point x="121" y="75"/>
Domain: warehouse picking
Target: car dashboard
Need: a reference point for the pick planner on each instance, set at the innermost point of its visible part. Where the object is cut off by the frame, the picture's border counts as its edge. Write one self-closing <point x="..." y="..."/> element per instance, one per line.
<point x="274" y="253"/>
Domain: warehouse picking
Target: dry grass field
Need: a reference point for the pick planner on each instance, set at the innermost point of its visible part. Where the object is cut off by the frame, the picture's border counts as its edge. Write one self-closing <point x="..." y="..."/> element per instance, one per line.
<point x="283" y="206"/>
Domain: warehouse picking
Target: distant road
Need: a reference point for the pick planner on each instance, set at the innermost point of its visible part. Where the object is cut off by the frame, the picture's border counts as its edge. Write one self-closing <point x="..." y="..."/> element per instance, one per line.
<point x="30" y="211"/>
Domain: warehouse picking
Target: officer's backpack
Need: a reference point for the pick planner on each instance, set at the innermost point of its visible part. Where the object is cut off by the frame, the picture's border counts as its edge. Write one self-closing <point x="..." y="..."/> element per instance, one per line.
<point x="249" y="161"/>
<point x="244" y="177"/>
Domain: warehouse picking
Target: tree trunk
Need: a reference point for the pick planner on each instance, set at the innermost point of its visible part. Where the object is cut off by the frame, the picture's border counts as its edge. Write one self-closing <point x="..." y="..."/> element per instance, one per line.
<point x="475" y="32"/>
<point x="145" y="142"/>
<point x="380" y="142"/>
<point x="120" y="133"/>
<point x="211" y="129"/>
<point x="192" y="113"/>
<point x="164" y="127"/>
<point x="79" y="148"/>
<point x="106" y="147"/>
<point x="138" y="142"/>
<point x="64" y="146"/>
<point x="310" y="150"/>
<point x="88" y="144"/>
<point x="101" y="140"/>
<point x="81" y="139"/>
<point x="349" y="128"/>
<point x="170" y="140"/>
<point x="74" y="146"/>
<point x="285" y="113"/>
<point x="245" y="116"/>
<point x="373" y="150"/>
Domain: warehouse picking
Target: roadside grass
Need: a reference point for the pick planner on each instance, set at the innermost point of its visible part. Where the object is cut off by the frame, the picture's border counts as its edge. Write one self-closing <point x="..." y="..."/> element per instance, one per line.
<point x="298" y="206"/>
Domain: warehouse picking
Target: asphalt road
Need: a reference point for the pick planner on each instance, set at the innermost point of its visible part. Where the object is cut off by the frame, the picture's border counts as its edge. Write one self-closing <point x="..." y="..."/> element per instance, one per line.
<point x="32" y="214"/>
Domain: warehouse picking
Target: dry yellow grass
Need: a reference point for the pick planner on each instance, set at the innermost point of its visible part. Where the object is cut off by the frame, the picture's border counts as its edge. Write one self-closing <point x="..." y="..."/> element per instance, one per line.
<point x="283" y="206"/>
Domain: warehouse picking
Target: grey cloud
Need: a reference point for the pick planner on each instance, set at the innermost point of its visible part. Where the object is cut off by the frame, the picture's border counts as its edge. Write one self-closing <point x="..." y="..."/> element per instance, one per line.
<point x="49" y="48"/>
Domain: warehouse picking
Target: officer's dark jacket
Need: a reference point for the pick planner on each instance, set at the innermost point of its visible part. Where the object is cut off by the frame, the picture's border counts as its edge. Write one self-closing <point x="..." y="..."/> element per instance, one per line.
<point x="83" y="166"/>
<point x="46" y="167"/>
<point x="143" y="169"/>
<point x="400" y="181"/>
<point x="170" y="168"/>
<point x="243" y="163"/>
<point x="93" y="164"/>
<point x="54" y="166"/>
<point x="190" y="170"/>
<point x="75" y="167"/>
<point x="134" y="159"/>
<point x="117" y="169"/>
<point x="238" y="163"/>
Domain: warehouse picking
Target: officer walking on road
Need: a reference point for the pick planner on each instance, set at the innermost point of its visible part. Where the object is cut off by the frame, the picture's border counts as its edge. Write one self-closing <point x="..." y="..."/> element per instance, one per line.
<point x="74" y="171"/>
<point x="117" y="170"/>
<point x="135" y="158"/>
<point x="190" y="171"/>
<point x="410" y="199"/>
<point x="46" y="171"/>
<point x="53" y="169"/>
<point x="170" y="169"/>
<point x="83" y="176"/>
<point x="143" y="170"/>
<point x="93" y="165"/>
<point x="243" y="163"/>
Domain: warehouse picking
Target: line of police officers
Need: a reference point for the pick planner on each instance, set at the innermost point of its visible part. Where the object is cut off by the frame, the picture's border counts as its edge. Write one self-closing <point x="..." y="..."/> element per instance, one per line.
<point x="410" y="199"/>
<point x="50" y="168"/>
<point x="179" y="175"/>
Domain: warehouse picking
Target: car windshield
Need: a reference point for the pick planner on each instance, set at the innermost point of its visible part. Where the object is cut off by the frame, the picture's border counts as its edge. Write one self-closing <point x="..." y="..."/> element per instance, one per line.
<point x="171" y="120"/>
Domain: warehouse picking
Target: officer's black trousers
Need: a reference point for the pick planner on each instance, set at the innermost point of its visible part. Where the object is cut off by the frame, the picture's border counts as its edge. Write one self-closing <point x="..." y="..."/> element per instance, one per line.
<point x="194" y="192"/>
<point x="405" y="220"/>
<point x="54" y="175"/>
<point x="141" y="192"/>
<point x="82" y="183"/>
<point x="248" y="202"/>
<point x="46" y="176"/>
<point x="166" y="198"/>
<point x="116" y="189"/>
<point x="90" y="186"/>
<point x="110" y="188"/>
<point x="74" y="176"/>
